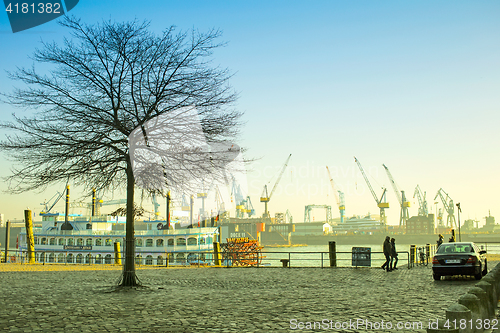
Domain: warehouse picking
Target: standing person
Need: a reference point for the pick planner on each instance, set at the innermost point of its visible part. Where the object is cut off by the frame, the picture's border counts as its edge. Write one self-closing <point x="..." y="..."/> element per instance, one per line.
<point x="387" y="253"/>
<point x="439" y="241"/>
<point x="394" y="254"/>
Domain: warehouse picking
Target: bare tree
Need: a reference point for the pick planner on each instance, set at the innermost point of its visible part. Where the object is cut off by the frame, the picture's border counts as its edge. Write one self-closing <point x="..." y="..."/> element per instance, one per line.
<point x="104" y="86"/>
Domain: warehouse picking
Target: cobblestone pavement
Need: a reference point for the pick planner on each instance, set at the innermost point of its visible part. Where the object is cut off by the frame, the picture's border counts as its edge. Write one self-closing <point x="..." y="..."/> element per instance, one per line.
<point x="224" y="299"/>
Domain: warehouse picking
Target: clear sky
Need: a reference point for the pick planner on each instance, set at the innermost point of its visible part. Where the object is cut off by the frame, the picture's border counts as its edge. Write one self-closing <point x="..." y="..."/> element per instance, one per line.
<point x="413" y="85"/>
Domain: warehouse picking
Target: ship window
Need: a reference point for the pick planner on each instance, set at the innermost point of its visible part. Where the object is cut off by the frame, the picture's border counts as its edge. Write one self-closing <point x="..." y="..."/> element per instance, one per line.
<point x="79" y="241"/>
<point x="98" y="259"/>
<point x="60" y="241"/>
<point x="159" y="260"/>
<point x="35" y="240"/>
<point x="70" y="258"/>
<point x="52" y="241"/>
<point x="52" y="257"/>
<point x="109" y="242"/>
<point x="170" y="257"/>
<point x="192" y="241"/>
<point x="44" y="241"/>
<point x="79" y="258"/>
<point x="149" y="242"/>
<point x="181" y="241"/>
<point x="138" y="259"/>
<point x="159" y="242"/>
<point x="138" y="242"/>
<point x="42" y="257"/>
<point x="107" y="259"/>
<point x="149" y="260"/>
<point x="88" y="258"/>
<point x="98" y="242"/>
<point x="202" y="241"/>
<point x="70" y="241"/>
<point x="180" y="258"/>
<point x="60" y="257"/>
<point x="88" y="242"/>
<point x="170" y="242"/>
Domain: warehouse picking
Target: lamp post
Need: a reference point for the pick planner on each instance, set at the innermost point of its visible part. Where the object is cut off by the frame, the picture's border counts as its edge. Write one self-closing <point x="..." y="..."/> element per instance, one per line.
<point x="459" y="210"/>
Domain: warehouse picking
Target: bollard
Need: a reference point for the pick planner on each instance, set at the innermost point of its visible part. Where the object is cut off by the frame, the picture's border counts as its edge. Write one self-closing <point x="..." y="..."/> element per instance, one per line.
<point x="217" y="254"/>
<point x="481" y="294"/>
<point x="488" y="288"/>
<point x="491" y="280"/>
<point x="440" y="327"/>
<point x="412" y="255"/>
<point x="333" y="254"/>
<point x="473" y="303"/>
<point x="456" y="313"/>
<point x="427" y="252"/>
<point x="118" y="254"/>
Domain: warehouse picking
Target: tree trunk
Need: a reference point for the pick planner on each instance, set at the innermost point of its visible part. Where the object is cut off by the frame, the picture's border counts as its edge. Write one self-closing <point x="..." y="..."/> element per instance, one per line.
<point x="129" y="278"/>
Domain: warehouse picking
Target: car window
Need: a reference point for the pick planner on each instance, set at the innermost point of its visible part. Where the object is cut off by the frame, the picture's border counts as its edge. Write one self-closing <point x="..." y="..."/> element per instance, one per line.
<point x="455" y="248"/>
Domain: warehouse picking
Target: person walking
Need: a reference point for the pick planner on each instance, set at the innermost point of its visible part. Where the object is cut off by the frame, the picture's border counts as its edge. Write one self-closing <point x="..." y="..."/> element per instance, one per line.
<point x="394" y="255"/>
<point x="387" y="253"/>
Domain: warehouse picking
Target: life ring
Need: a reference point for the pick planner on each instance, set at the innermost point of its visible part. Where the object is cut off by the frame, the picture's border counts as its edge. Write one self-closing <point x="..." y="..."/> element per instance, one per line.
<point x="12" y="259"/>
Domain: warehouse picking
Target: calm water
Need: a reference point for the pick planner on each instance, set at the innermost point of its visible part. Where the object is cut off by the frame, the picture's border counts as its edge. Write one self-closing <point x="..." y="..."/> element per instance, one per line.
<point x="299" y="256"/>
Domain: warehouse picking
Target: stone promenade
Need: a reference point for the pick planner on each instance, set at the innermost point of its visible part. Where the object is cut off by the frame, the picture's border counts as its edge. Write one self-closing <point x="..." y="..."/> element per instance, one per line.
<point x="54" y="298"/>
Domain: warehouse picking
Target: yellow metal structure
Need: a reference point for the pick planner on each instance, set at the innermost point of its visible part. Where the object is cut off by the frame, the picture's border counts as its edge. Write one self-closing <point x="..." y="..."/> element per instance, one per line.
<point x="30" y="241"/>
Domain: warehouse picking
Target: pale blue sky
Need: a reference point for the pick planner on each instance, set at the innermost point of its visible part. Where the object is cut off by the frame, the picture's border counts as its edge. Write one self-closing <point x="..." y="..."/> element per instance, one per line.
<point x="411" y="84"/>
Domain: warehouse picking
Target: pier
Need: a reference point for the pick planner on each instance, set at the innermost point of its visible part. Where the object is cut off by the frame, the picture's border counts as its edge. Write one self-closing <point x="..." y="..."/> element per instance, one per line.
<point x="77" y="298"/>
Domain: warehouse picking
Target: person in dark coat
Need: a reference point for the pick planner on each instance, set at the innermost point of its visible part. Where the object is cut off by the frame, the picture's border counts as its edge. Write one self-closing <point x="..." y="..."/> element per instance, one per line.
<point x="387" y="253"/>
<point x="394" y="255"/>
<point x="439" y="241"/>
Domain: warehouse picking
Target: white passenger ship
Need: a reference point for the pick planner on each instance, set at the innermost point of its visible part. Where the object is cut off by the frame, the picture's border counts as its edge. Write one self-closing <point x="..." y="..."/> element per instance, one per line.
<point x="92" y="242"/>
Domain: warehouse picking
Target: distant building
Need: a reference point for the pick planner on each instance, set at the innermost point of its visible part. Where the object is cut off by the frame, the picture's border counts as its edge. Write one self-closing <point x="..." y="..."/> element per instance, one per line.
<point x="420" y="225"/>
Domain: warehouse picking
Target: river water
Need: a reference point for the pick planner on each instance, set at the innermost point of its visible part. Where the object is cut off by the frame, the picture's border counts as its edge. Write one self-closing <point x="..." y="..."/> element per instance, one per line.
<point x="318" y="256"/>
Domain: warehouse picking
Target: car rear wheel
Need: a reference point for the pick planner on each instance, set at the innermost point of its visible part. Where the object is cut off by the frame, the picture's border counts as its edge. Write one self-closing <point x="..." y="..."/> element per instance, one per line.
<point x="436" y="277"/>
<point x="479" y="275"/>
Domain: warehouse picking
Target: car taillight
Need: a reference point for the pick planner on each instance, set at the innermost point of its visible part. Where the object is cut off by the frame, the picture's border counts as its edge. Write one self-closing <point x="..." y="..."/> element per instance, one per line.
<point x="435" y="261"/>
<point x="471" y="260"/>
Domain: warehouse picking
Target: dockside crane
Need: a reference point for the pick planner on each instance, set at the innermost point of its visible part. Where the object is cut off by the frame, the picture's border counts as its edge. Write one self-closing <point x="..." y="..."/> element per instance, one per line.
<point x="422" y="202"/>
<point x="448" y="206"/>
<point x="403" y="203"/>
<point x="51" y="202"/>
<point x="381" y="203"/>
<point x="341" y="200"/>
<point x="265" y="197"/>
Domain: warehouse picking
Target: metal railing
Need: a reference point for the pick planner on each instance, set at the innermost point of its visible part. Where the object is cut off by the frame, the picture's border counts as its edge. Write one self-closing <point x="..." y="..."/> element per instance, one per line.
<point x="204" y="258"/>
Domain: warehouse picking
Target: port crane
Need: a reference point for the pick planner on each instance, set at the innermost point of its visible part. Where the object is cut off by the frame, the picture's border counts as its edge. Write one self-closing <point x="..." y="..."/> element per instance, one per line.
<point x="422" y="202"/>
<point x="381" y="203"/>
<point x="249" y="207"/>
<point x="341" y="200"/>
<point x="403" y="203"/>
<point x="51" y="202"/>
<point x="309" y="208"/>
<point x="448" y="206"/>
<point x="265" y="197"/>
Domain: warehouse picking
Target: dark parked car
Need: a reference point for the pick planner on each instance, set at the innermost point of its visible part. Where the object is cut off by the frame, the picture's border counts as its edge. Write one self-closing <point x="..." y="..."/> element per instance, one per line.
<point x="463" y="258"/>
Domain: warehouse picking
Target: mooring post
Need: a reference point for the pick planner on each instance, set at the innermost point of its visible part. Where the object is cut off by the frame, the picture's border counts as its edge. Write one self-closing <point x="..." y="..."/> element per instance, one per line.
<point x="7" y="240"/>
<point x="217" y="254"/>
<point x="333" y="254"/>
<point x="412" y="254"/>
<point x="118" y="254"/>
<point x="30" y="242"/>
